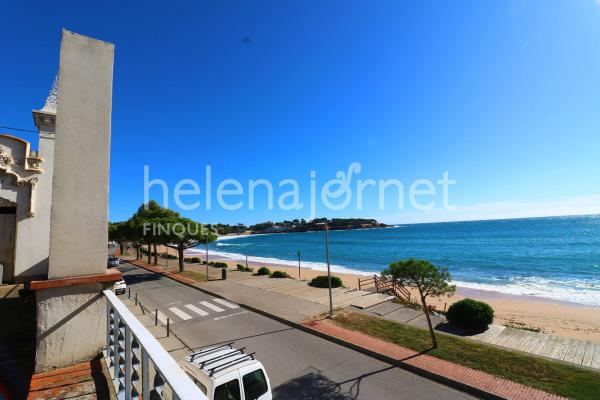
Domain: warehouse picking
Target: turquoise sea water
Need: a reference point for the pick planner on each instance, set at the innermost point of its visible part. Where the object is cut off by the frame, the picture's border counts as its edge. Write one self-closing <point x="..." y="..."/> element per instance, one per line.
<point x="557" y="258"/>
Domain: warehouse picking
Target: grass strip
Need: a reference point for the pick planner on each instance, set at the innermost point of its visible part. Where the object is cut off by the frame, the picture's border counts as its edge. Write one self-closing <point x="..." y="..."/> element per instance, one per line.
<point x="197" y="276"/>
<point x="553" y="377"/>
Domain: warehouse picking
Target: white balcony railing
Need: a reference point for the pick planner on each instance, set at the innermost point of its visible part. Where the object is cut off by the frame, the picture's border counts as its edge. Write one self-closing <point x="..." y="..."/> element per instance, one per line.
<point x="139" y="366"/>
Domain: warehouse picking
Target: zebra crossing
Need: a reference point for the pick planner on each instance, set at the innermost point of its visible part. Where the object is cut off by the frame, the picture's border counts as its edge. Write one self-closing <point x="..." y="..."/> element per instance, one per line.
<point x="205" y="308"/>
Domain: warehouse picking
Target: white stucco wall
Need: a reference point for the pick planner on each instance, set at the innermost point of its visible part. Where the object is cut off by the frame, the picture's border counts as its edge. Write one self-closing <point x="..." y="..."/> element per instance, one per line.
<point x="71" y="325"/>
<point x="79" y="216"/>
<point x="33" y="212"/>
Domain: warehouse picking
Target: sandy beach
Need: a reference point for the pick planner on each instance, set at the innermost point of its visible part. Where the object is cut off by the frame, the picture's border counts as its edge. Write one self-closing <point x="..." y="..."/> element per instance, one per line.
<point x="549" y="316"/>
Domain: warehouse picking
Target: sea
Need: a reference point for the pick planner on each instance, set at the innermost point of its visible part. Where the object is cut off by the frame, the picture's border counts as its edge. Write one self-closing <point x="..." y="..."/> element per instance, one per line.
<point x="556" y="258"/>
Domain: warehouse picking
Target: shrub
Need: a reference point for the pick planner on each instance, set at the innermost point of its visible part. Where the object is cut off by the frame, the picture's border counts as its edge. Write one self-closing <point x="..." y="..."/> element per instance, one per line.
<point x="470" y="314"/>
<point x="195" y="260"/>
<point x="220" y="265"/>
<point x="240" y="267"/>
<point x="323" y="282"/>
<point x="187" y="259"/>
<point x="204" y="262"/>
<point x="263" y="271"/>
<point x="279" y="274"/>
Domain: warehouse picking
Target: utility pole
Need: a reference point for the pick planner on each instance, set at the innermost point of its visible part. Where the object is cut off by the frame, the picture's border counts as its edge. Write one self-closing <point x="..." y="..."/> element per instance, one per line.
<point x="328" y="265"/>
<point x="328" y="268"/>
<point x="298" y="264"/>
<point x="206" y="247"/>
<point x="246" y="261"/>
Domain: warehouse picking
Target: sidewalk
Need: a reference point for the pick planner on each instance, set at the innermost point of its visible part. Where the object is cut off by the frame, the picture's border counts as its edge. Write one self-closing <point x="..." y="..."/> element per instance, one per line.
<point x="293" y="311"/>
<point x="437" y="368"/>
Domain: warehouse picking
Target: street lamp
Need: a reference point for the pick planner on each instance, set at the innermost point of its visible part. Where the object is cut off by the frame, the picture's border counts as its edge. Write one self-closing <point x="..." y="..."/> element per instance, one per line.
<point x="298" y="264"/>
<point x="206" y="246"/>
<point x="328" y="265"/>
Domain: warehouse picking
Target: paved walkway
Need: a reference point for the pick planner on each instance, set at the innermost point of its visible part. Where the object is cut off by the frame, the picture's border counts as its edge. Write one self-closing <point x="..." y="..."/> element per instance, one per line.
<point x="342" y="297"/>
<point x="477" y="379"/>
<point x="568" y="350"/>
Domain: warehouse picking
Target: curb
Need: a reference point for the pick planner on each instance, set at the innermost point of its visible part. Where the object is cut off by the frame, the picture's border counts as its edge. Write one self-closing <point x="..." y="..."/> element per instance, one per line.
<point x="381" y="357"/>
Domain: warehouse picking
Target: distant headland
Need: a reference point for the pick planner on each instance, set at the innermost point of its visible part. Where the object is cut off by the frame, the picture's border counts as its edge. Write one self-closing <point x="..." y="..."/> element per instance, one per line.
<point x="299" y="225"/>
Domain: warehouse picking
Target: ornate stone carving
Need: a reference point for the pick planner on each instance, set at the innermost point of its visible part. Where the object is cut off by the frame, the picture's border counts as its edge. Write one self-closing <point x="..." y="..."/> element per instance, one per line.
<point x="34" y="162"/>
<point x="5" y="159"/>
<point x="32" y="181"/>
<point x="50" y="105"/>
<point x="20" y="169"/>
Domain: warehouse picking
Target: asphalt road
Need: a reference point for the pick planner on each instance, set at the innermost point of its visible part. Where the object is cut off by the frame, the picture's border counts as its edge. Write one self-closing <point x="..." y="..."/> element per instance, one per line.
<point x="299" y="365"/>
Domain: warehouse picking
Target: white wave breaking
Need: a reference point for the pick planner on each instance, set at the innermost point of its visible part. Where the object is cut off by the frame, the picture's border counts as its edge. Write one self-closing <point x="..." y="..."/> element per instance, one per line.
<point x="319" y="266"/>
<point x="567" y="290"/>
<point x="583" y="292"/>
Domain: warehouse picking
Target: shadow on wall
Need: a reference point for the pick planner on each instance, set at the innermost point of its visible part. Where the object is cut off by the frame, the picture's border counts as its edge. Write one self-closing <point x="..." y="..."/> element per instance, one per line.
<point x="37" y="272"/>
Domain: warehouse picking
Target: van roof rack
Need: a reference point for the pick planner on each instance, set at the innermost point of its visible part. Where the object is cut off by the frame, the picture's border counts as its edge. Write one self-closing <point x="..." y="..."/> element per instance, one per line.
<point x="228" y="364"/>
<point x="210" y="350"/>
<point x="221" y="357"/>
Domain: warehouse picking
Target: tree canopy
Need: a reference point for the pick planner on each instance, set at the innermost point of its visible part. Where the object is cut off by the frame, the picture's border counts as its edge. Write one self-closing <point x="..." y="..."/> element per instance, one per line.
<point x="152" y="224"/>
<point x="426" y="278"/>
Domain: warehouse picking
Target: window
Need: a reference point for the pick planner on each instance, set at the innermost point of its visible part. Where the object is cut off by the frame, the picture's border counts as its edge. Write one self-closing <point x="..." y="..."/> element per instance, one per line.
<point x="228" y="391"/>
<point x="255" y="384"/>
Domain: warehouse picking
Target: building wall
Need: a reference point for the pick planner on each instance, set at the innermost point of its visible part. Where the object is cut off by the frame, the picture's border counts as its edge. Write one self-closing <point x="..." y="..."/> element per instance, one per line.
<point x="71" y="325"/>
<point x="79" y="216"/>
<point x="33" y="206"/>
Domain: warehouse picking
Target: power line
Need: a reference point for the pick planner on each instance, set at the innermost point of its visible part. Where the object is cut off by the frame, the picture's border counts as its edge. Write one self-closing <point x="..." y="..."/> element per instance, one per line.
<point x="17" y="129"/>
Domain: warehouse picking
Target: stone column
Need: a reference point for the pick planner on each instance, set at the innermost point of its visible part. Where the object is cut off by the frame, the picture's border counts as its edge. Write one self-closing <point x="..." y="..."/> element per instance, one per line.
<point x="70" y="307"/>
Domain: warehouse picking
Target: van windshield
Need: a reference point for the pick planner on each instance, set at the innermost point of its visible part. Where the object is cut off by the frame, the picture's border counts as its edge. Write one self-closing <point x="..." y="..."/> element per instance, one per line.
<point x="255" y="384"/>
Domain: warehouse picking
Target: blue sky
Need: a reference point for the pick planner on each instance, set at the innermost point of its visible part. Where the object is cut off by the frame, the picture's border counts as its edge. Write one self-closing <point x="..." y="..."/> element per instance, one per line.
<point x="504" y="95"/>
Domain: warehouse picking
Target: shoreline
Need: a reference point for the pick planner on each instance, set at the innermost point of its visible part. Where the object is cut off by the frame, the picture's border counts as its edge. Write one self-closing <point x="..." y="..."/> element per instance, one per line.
<point x="561" y="318"/>
<point x="485" y="293"/>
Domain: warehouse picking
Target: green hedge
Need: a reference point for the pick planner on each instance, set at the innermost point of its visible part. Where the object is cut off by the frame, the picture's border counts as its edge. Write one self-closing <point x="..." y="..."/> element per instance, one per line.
<point x="279" y="274"/>
<point x="263" y="271"/>
<point x="219" y="264"/>
<point x="243" y="268"/>
<point x="322" y="281"/>
<point x="470" y="314"/>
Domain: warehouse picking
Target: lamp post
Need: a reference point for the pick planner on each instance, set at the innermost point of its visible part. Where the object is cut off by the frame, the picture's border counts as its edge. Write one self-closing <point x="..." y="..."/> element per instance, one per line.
<point x="298" y="264"/>
<point x="206" y="247"/>
<point x="328" y="265"/>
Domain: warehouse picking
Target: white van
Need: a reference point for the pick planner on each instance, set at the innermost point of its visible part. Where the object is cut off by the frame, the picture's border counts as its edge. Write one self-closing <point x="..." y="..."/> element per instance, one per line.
<point x="226" y="373"/>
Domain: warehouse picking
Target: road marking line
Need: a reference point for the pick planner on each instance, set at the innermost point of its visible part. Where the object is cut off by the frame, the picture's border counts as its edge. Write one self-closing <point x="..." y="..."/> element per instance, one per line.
<point x="196" y="310"/>
<point x="162" y="318"/>
<point x="230" y="315"/>
<point x="180" y="313"/>
<point x="226" y="303"/>
<point x="211" y="306"/>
